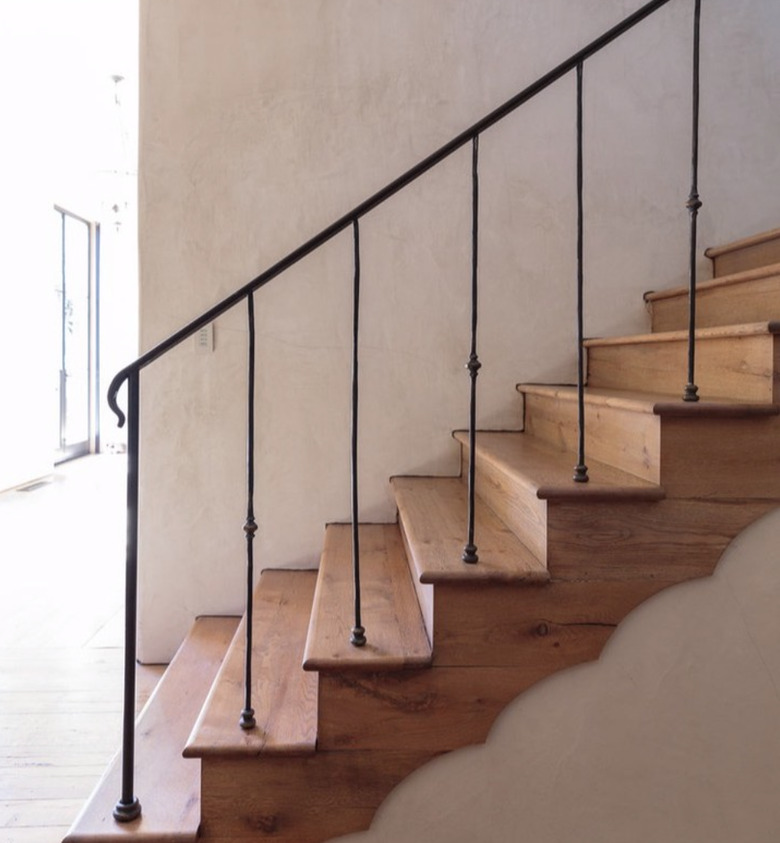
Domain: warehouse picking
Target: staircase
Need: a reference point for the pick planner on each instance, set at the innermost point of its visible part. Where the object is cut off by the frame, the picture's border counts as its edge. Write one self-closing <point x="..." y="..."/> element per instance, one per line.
<point x="450" y="644"/>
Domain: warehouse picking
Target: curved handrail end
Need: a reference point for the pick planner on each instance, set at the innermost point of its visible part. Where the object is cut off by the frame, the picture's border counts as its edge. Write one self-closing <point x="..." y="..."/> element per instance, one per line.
<point x="113" y="389"/>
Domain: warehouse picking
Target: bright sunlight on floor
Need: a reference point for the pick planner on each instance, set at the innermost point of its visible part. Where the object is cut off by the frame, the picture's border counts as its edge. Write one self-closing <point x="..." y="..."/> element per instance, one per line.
<point x="61" y="634"/>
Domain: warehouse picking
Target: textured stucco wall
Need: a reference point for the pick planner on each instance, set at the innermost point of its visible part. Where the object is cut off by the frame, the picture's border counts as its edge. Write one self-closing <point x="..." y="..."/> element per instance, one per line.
<point x="262" y="121"/>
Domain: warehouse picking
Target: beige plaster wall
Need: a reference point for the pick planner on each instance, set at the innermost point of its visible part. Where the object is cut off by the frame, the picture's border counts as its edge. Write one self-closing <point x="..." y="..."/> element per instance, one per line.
<point x="673" y="735"/>
<point x="262" y="120"/>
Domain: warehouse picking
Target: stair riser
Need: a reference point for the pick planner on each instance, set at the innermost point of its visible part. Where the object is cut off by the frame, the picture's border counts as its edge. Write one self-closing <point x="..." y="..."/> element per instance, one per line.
<point x="747" y="257"/>
<point x="689" y="456"/>
<point x="669" y="539"/>
<point x="298" y="800"/>
<point x="617" y="436"/>
<point x="556" y="625"/>
<point x="437" y="710"/>
<point x="748" y="301"/>
<point x="742" y="368"/>
<point x="519" y="507"/>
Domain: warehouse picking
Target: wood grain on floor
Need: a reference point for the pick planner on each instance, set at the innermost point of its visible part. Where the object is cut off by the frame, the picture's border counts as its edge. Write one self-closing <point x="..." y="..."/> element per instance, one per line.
<point x="61" y="603"/>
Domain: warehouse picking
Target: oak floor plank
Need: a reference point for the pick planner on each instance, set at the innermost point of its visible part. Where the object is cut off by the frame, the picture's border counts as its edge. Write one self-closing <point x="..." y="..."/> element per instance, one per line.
<point x="62" y="562"/>
<point x="45" y="812"/>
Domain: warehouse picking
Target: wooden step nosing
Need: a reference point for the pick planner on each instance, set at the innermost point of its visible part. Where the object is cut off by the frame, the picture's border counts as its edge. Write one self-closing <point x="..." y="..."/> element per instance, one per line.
<point x="732" y="280"/>
<point x="584" y="493"/>
<point x="368" y="665"/>
<point x="749" y="329"/>
<point x="745" y="243"/>
<point x="308" y="663"/>
<point x="452" y="578"/>
<point x="254" y="750"/>
<point x="715" y="410"/>
<point x="192" y="748"/>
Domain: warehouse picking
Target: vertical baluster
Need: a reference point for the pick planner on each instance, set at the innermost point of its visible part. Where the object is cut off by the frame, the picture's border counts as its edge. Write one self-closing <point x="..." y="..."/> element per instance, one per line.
<point x="128" y="807"/>
<point x="247" y="720"/>
<point x="580" y="470"/>
<point x="693" y="204"/>
<point x="470" y="554"/>
<point x="358" y="637"/>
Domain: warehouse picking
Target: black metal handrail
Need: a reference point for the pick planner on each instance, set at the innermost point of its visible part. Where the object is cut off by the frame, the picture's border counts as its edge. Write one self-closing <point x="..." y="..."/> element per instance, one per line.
<point x="378" y="198"/>
<point x="128" y="806"/>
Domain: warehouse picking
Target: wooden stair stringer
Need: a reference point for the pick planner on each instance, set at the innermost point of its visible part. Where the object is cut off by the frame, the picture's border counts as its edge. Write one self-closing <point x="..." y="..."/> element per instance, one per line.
<point x="305" y="799"/>
<point x="677" y="539"/>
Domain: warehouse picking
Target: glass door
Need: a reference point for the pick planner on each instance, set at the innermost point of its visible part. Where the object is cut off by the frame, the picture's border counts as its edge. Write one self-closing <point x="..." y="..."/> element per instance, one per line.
<point x="77" y="310"/>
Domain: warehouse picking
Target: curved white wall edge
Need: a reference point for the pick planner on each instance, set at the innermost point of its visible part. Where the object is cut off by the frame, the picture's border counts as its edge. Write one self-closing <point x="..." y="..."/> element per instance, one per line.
<point x="673" y="735"/>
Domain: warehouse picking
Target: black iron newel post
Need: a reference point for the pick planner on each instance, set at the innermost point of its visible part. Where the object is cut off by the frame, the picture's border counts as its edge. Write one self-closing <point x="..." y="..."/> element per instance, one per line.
<point x="128" y="807"/>
<point x="358" y="637"/>
<point x="470" y="550"/>
<point x="580" y="470"/>
<point x="247" y="720"/>
<point x="693" y="204"/>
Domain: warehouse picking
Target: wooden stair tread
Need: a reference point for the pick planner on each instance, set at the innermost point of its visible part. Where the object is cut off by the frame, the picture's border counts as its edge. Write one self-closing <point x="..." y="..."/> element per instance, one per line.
<point x="655" y="403"/>
<point x="733" y="278"/>
<point x="284" y="697"/>
<point x="715" y="332"/>
<point x="432" y="512"/>
<point x="744" y="243"/>
<point x="396" y="637"/>
<point x="167" y="785"/>
<point x="547" y="472"/>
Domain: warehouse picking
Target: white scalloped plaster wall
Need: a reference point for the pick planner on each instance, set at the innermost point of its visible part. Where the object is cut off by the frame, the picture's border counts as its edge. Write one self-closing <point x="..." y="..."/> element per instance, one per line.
<point x="673" y="735"/>
<point x="262" y="120"/>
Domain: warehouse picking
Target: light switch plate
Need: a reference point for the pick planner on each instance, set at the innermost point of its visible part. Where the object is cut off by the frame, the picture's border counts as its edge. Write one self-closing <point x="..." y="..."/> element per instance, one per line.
<point x="204" y="339"/>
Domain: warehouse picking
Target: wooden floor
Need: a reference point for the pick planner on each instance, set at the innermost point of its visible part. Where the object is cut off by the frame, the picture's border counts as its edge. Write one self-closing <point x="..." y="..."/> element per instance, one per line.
<point x="61" y="570"/>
